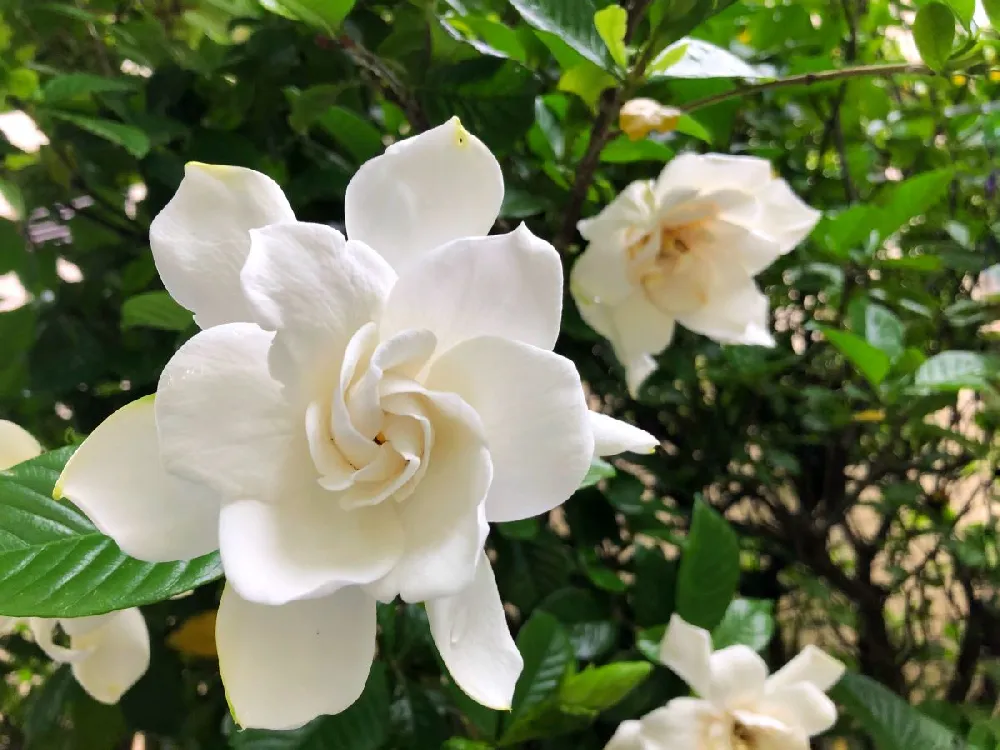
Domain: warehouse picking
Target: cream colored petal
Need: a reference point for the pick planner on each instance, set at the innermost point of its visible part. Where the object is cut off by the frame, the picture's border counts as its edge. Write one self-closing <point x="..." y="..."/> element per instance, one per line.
<point x="613" y="436"/>
<point x="687" y="650"/>
<point x="117" y="655"/>
<point x="813" y="666"/>
<point x="16" y="445"/>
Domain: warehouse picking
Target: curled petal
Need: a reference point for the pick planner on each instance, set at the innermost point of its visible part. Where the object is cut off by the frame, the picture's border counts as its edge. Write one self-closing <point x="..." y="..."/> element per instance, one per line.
<point x="613" y="436"/>
<point x="117" y="479"/>
<point x="682" y="724"/>
<point x="317" y="653"/>
<point x="738" y="675"/>
<point x="687" y="650"/>
<point x="439" y="186"/>
<point x="16" y="445"/>
<point x="813" y="666"/>
<point x="802" y="706"/>
<point x="471" y="634"/>
<point x="201" y="238"/>
<point x="116" y="654"/>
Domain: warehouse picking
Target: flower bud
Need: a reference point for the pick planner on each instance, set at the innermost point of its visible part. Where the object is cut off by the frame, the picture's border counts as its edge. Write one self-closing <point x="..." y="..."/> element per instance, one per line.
<point x="640" y="117"/>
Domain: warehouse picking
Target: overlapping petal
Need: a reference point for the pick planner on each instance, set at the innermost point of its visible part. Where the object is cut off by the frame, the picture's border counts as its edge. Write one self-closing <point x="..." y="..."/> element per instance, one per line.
<point x="423" y="192"/>
<point x="115" y="654"/>
<point x="687" y="650"/>
<point x="117" y="478"/>
<point x="200" y="240"/>
<point x="284" y="666"/>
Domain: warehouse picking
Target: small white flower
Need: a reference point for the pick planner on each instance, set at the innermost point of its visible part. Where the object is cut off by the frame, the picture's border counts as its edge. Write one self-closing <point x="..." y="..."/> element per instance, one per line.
<point x="353" y="413"/>
<point x="740" y="706"/>
<point x="987" y="286"/>
<point x="107" y="653"/>
<point x="684" y="248"/>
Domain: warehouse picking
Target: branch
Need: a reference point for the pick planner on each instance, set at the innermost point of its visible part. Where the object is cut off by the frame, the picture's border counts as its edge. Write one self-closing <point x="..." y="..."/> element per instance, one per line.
<point x="810" y="79"/>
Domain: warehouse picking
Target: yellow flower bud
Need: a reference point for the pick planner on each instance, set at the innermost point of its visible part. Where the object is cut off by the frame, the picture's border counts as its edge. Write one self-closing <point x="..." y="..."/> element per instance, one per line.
<point x="995" y="75"/>
<point x="959" y="80"/>
<point x="640" y="117"/>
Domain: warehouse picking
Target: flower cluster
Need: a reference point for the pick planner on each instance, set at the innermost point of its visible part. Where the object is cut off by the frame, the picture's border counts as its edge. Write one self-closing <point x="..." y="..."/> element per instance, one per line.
<point x="353" y="413"/>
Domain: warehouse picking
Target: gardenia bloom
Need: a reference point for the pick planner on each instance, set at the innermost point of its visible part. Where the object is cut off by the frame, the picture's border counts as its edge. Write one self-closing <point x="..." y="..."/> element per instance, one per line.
<point x="684" y="248"/>
<point x="107" y="653"/>
<point x="351" y="416"/>
<point x="740" y="706"/>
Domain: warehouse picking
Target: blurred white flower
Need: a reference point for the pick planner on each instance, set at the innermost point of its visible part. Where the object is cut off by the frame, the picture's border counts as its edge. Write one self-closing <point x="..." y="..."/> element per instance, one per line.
<point x="987" y="286"/>
<point x="740" y="706"/>
<point x="351" y="416"/>
<point x="684" y="249"/>
<point x="107" y="653"/>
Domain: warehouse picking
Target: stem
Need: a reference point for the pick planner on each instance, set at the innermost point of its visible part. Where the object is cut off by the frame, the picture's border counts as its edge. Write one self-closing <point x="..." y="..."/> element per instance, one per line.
<point x="809" y="79"/>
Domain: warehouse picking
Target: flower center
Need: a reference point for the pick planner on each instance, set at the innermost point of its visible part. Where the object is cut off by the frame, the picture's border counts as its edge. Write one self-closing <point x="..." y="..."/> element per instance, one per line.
<point x="370" y="437"/>
<point x="667" y="265"/>
<point x="742" y="737"/>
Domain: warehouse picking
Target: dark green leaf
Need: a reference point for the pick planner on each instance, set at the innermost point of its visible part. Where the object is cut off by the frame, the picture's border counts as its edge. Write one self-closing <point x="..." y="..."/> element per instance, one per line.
<point x="710" y="568"/>
<point x="325" y="15"/>
<point x="908" y="199"/>
<point x="548" y="659"/>
<point x="747" y="622"/>
<point x="74" y="570"/>
<point x="64" y="87"/>
<point x="155" y="310"/>
<point x="869" y="361"/>
<point x="358" y="136"/>
<point x="131" y="139"/>
<point x="570" y="20"/>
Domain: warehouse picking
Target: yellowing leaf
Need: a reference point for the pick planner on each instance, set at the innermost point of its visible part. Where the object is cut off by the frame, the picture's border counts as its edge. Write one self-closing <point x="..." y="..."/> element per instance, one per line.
<point x="196" y="637"/>
<point x="870" y="415"/>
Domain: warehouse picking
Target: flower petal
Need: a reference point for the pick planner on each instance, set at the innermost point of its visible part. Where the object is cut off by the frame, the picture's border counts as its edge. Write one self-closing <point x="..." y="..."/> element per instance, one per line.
<point x="682" y="724"/>
<point x="535" y="417"/>
<point x="784" y="216"/>
<point x="713" y="172"/>
<point x="813" y="666"/>
<point x="117" y="479"/>
<point x="222" y="419"/>
<point x="599" y="277"/>
<point x="754" y="249"/>
<point x="736" y="312"/>
<point x="613" y="436"/>
<point x="687" y="651"/>
<point x="306" y="545"/>
<point x="628" y="736"/>
<point x="43" y="631"/>
<point x="444" y="518"/>
<point x="16" y="445"/>
<point x="284" y="666"/>
<point x="315" y="289"/>
<point x="117" y="655"/>
<point x="768" y="733"/>
<point x="471" y="634"/>
<point x="738" y="675"/>
<point x="430" y="189"/>
<point x="508" y="285"/>
<point x="200" y="239"/>
<point x="802" y="706"/>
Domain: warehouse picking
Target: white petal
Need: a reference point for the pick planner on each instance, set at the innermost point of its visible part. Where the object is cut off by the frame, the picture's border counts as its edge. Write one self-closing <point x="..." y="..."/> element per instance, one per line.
<point x="222" y="419"/>
<point x="508" y="285"/>
<point x="736" y="313"/>
<point x="444" y="518"/>
<point x="201" y="238"/>
<point x="802" y="706"/>
<point x="613" y="436"/>
<point x="712" y="172"/>
<point x="628" y="736"/>
<point x="430" y="189"/>
<point x="117" y="479"/>
<point x="633" y="211"/>
<point x="316" y="290"/>
<point x="813" y="666"/>
<point x="117" y="655"/>
<point x="600" y="277"/>
<point x="687" y="650"/>
<point x="753" y="249"/>
<point x="738" y="675"/>
<point x="43" y="631"/>
<point x="768" y="733"/>
<point x="306" y="545"/>
<point x="784" y="216"/>
<point x="471" y="634"/>
<point x="284" y="666"/>
<point x="682" y="724"/>
<point x="16" y="445"/>
<point x="535" y="416"/>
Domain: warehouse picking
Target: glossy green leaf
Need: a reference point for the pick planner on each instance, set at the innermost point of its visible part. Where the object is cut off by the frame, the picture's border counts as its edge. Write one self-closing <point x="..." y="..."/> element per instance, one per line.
<point x="952" y="371"/>
<point x="612" y="25"/>
<point x="599" y="469"/>
<point x="934" y="33"/>
<point x="888" y="719"/>
<point x="155" y="310"/>
<point x="871" y="362"/>
<point x="74" y="570"/>
<point x="909" y="199"/>
<point x="358" y="136"/>
<point x="548" y="659"/>
<point x="326" y="15"/>
<point x="363" y="726"/>
<point x="710" y="568"/>
<point x="64" y="87"/>
<point x="747" y="622"/>
<point x="884" y="330"/>
<point x="570" y="20"/>
<point x="133" y="140"/>
<point x="694" y="58"/>
<point x="599" y="688"/>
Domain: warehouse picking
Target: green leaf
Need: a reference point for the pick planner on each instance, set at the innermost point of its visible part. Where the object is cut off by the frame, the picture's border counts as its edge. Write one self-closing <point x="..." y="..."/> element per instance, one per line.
<point x="694" y="58"/>
<point x="570" y="20"/>
<point x="668" y="57"/>
<point x="325" y="15"/>
<point x="309" y="105"/>
<point x="871" y="362"/>
<point x="913" y="197"/>
<point x="358" y="136"/>
<point x="676" y="18"/>
<point x="599" y="469"/>
<point x="131" y="139"/>
<point x="587" y="81"/>
<point x="992" y="8"/>
<point x="548" y="659"/>
<point x="155" y="310"/>
<point x="892" y="722"/>
<point x="612" y="25"/>
<point x="747" y="622"/>
<point x="964" y="9"/>
<point x="62" y="88"/>
<point x="623" y="150"/>
<point x="12" y="194"/>
<point x="690" y="126"/>
<point x="710" y="568"/>
<point x="363" y="726"/>
<point x="934" y="33"/>
<point x="952" y="371"/>
<point x="72" y="568"/>
<point x="884" y="330"/>
<point x="599" y="688"/>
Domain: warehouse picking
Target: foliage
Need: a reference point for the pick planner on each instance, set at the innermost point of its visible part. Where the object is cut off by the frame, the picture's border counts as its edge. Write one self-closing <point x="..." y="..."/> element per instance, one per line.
<point x="854" y="461"/>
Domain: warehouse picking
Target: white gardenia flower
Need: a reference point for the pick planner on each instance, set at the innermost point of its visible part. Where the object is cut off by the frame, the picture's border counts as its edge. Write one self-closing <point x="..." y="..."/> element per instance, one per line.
<point x="685" y="248"/>
<point x="740" y="707"/>
<point x="353" y="413"/>
<point x="107" y="653"/>
<point x="987" y="286"/>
